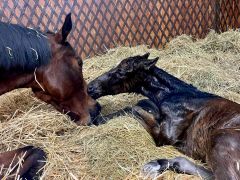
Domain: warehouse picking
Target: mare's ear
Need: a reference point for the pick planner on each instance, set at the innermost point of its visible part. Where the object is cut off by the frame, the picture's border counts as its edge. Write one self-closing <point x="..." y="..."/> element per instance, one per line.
<point x="61" y="36"/>
<point x="148" y="64"/>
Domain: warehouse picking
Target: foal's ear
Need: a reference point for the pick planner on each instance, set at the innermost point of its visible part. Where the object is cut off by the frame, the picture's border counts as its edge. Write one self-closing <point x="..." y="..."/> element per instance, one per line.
<point x="61" y="36"/>
<point x="148" y="64"/>
<point x="145" y="56"/>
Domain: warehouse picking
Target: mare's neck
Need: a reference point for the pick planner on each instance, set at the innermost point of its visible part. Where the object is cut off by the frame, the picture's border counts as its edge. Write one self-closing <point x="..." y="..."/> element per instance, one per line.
<point x="13" y="80"/>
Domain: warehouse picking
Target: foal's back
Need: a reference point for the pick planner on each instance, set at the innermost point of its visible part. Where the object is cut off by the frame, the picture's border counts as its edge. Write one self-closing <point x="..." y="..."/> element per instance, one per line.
<point x="212" y="118"/>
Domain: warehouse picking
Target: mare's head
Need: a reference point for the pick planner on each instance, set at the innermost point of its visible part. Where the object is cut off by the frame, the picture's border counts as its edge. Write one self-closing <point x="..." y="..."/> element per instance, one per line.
<point x="61" y="82"/>
<point x="128" y="76"/>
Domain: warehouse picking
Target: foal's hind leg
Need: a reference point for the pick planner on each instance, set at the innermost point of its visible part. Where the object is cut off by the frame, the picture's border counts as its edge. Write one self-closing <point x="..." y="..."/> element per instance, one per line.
<point x="179" y="164"/>
<point x="224" y="154"/>
<point x="30" y="166"/>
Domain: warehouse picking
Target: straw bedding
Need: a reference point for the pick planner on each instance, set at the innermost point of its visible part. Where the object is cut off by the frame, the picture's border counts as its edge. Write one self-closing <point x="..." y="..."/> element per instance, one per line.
<point x="119" y="148"/>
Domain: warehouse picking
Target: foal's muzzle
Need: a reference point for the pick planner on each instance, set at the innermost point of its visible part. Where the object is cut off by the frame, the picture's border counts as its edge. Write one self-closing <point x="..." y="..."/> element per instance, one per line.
<point x="93" y="91"/>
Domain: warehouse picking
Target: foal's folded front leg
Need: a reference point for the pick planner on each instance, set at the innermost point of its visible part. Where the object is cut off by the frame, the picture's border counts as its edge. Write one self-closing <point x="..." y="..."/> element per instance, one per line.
<point x="179" y="164"/>
<point x="104" y="119"/>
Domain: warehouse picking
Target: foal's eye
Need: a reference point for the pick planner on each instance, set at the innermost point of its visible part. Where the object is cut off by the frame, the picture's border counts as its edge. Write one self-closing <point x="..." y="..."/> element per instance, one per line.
<point x="80" y="62"/>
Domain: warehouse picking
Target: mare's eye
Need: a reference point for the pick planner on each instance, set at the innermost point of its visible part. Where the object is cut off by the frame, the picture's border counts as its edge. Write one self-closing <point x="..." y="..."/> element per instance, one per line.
<point x="80" y="62"/>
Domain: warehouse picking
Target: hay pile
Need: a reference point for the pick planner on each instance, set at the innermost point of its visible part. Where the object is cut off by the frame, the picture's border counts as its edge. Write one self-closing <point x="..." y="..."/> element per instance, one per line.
<point x="116" y="150"/>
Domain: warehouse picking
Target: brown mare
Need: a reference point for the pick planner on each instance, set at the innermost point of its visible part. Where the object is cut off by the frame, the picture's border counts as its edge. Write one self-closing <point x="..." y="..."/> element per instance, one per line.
<point x="201" y="125"/>
<point x="49" y="65"/>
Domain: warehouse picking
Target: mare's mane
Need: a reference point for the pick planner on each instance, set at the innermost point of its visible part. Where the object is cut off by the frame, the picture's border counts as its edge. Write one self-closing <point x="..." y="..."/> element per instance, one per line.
<point x="22" y="48"/>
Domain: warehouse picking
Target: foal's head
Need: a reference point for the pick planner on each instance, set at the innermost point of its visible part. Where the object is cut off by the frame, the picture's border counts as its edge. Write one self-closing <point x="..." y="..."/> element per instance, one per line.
<point x="126" y="77"/>
<point x="61" y="82"/>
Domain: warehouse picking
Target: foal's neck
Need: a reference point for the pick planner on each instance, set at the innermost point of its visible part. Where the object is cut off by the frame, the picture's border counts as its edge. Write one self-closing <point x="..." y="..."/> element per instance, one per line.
<point x="172" y="83"/>
<point x="163" y="85"/>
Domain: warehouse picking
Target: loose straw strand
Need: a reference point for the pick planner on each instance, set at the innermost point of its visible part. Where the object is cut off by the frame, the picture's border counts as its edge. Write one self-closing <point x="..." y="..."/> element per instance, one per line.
<point x="35" y="77"/>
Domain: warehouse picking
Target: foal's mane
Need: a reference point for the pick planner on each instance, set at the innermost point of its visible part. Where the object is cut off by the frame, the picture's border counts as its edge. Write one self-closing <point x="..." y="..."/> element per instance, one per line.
<point x="22" y="48"/>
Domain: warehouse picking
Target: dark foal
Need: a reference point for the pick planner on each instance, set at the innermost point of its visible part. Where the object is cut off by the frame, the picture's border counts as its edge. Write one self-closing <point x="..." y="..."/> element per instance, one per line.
<point x="49" y="65"/>
<point x="25" y="163"/>
<point x="201" y="125"/>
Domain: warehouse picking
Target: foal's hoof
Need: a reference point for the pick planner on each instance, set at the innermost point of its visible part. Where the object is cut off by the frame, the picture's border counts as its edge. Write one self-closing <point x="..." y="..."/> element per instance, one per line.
<point x="150" y="170"/>
<point x="154" y="168"/>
